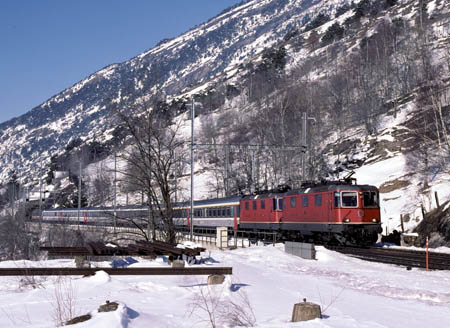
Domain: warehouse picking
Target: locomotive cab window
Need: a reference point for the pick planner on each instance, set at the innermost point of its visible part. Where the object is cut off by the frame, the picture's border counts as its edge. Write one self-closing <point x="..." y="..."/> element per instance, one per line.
<point x="337" y="199"/>
<point x="254" y="205"/>
<point x="246" y="206"/>
<point x="370" y="199"/>
<point x="263" y="204"/>
<point x="349" y="199"/>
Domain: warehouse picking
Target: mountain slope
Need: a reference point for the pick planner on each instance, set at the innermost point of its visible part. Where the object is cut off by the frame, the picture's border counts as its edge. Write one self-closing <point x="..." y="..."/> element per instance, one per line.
<point x="194" y="57"/>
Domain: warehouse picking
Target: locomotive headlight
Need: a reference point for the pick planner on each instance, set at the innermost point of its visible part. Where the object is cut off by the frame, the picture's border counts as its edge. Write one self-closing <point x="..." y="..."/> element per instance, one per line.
<point x="346" y="220"/>
<point x="374" y="220"/>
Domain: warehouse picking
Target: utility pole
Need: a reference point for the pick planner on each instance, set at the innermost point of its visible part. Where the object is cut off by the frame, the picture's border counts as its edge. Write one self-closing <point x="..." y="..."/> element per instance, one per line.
<point x="79" y="194"/>
<point x="192" y="170"/>
<point x="175" y="175"/>
<point x="115" y="191"/>
<point x="227" y="160"/>
<point x="304" y="145"/>
<point x="40" y="193"/>
<point x="13" y="198"/>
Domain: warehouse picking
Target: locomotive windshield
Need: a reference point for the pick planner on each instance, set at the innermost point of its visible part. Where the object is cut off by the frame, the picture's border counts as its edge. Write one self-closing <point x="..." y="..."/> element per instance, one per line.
<point x="370" y="199"/>
<point x="349" y="199"/>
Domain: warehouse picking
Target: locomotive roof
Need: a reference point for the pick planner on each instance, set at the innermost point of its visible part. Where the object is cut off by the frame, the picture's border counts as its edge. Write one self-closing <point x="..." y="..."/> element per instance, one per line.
<point x="320" y="188"/>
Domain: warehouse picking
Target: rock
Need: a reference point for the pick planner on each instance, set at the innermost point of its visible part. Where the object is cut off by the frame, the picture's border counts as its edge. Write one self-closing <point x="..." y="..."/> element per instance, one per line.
<point x="178" y="264"/>
<point x="216" y="279"/>
<point x="79" y="319"/>
<point x="108" y="307"/>
<point x="82" y="262"/>
<point x="306" y="311"/>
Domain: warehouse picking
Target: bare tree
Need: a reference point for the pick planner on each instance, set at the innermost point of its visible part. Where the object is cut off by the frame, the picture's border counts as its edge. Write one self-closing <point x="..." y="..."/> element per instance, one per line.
<point x="151" y="160"/>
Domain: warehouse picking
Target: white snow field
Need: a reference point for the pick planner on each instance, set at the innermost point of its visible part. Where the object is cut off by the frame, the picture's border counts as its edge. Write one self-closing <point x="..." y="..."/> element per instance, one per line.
<point x="265" y="281"/>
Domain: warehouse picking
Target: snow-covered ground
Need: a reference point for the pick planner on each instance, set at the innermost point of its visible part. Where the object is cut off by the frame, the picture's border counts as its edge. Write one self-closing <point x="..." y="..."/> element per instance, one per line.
<point x="351" y="292"/>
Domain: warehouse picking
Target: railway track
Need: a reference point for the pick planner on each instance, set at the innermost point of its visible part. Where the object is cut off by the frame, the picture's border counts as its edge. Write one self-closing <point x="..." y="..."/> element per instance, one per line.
<point x="407" y="258"/>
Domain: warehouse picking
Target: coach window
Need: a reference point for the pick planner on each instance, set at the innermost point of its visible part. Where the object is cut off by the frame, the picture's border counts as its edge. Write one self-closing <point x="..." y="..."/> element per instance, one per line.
<point x="263" y="204"/>
<point x="318" y="200"/>
<point x="349" y="199"/>
<point x="293" y="202"/>
<point x="228" y="211"/>
<point x="305" y="201"/>
<point x="254" y="205"/>
<point x="337" y="199"/>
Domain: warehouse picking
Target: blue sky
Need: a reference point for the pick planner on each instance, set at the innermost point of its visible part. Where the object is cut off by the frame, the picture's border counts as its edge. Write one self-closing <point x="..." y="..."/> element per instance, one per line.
<point x="49" y="45"/>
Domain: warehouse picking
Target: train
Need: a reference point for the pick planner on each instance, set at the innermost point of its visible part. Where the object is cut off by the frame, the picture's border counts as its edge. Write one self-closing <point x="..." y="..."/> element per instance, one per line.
<point x="336" y="212"/>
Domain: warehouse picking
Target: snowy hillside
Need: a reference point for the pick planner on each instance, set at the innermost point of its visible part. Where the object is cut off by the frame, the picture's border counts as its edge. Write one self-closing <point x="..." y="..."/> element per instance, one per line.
<point x="373" y="76"/>
<point x="265" y="285"/>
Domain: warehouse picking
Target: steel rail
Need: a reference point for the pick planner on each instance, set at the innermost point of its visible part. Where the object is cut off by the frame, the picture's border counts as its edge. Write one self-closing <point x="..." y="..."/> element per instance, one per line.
<point x="408" y="258"/>
<point x="158" y="271"/>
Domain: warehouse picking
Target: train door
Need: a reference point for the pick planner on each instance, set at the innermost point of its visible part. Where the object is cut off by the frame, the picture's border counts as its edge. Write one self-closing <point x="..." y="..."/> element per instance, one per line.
<point x="319" y="207"/>
<point x="329" y="208"/>
<point x="277" y="209"/>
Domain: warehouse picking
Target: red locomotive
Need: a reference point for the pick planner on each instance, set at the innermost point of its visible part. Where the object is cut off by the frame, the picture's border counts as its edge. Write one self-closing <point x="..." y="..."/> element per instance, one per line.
<point x="330" y="212"/>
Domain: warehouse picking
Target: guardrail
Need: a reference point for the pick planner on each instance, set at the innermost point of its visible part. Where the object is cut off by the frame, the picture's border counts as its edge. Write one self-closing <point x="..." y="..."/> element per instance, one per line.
<point x="228" y="238"/>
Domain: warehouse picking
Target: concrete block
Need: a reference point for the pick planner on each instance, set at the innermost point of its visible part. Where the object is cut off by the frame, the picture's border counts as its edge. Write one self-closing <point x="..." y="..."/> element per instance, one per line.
<point x="303" y="250"/>
<point x="306" y="311"/>
<point x="178" y="264"/>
